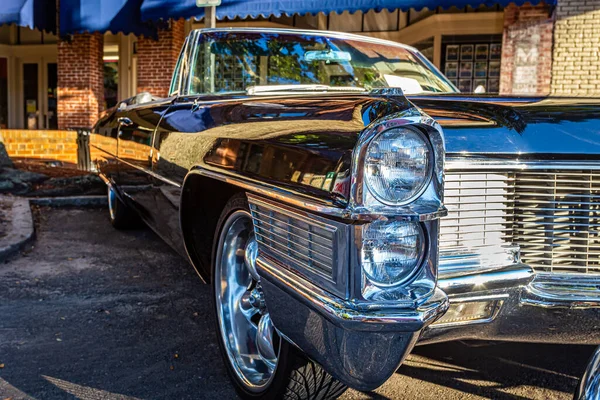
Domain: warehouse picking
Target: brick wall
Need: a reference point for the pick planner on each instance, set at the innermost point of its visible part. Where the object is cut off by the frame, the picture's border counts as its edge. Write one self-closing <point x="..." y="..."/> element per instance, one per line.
<point x="576" y="58"/>
<point x="80" y="80"/>
<point x="41" y="144"/>
<point x="157" y="59"/>
<point x="527" y="50"/>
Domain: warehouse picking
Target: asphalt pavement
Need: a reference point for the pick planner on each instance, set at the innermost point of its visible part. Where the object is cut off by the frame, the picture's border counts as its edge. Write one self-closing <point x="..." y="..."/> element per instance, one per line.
<point x="92" y="313"/>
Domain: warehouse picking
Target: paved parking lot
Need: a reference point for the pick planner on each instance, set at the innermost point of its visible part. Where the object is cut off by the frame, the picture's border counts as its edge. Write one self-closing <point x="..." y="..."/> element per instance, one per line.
<point x="93" y="313"/>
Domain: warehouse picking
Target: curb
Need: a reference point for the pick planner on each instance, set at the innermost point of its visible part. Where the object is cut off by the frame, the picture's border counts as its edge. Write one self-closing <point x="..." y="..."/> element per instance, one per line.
<point x="21" y="229"/>
<point x="70" y="201"/>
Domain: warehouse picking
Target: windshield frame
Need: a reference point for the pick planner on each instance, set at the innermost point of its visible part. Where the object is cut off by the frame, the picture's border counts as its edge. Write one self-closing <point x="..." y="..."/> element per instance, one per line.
<point x="197" y="35"/>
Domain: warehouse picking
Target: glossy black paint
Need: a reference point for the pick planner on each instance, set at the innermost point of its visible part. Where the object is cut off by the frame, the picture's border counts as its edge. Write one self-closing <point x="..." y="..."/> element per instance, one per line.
<point x="303" y="144"/>
<point x="539" y="128"/>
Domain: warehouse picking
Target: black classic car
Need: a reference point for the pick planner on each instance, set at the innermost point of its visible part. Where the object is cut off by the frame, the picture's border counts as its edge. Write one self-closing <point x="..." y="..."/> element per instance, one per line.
<point x="346" y="203"/>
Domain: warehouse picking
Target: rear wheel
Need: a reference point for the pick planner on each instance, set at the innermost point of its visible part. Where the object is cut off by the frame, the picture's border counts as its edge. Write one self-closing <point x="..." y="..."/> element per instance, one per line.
<point x="121" y="216"/>
<point x="260" y="362"/>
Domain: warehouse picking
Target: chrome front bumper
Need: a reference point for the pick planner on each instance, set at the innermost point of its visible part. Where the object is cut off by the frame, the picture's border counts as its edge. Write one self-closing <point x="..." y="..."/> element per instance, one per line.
<point x="361" y="348"/>
<point x="520" y="305"/>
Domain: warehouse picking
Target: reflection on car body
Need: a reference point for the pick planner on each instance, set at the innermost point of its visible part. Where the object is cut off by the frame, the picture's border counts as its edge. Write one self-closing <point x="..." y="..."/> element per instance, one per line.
<point x="309" y="192"/>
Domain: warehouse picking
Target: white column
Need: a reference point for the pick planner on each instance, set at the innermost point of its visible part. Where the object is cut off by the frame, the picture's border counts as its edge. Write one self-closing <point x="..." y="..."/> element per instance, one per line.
<point x="210" y="17"/>
<point x="126" y="70"/>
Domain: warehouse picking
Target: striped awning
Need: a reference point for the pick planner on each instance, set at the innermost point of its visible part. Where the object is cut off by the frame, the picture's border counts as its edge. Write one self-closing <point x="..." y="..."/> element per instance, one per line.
<point x="40" y="14"/>
<point x="164" y="9"/>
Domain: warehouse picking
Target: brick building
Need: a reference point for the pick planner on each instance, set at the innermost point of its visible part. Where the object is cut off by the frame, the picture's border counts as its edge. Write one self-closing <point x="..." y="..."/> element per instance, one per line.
<point x="52" y="82"/>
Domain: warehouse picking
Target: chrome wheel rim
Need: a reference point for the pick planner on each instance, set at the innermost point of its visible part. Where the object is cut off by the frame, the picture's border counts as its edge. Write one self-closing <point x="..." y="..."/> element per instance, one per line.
<point x="251" y="342"/>
<point x="112" y="198"/>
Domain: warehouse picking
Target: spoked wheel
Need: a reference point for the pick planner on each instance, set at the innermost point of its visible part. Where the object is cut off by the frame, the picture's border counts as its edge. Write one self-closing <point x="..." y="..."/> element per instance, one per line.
<point x="251" y="343"/>
<point x="260" y="362"/>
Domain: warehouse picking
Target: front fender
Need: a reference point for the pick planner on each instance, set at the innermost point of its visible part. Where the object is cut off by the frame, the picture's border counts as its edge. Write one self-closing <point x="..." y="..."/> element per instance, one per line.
<point x="360" y="348"/>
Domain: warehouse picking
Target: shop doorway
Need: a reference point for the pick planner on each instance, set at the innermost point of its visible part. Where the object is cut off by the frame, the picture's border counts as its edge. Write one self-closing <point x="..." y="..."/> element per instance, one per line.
<point x="38" y="93"/>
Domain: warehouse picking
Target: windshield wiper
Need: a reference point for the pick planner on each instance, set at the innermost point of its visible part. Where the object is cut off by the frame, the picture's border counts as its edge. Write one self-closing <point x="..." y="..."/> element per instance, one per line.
<point x="252" y="90"/>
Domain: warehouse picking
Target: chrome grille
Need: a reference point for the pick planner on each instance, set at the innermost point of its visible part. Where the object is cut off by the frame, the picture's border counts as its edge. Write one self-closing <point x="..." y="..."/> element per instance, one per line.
<point x="302" y="243"/>
<point x="554" y="216"/>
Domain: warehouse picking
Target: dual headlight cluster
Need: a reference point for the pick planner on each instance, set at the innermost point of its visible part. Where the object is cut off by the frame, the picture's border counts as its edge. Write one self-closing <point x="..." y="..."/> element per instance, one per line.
<point x="397" y="170"/>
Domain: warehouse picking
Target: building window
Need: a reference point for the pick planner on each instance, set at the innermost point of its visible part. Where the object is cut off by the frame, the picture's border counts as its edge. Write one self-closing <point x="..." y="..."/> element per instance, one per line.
<point x="472" y="63"/>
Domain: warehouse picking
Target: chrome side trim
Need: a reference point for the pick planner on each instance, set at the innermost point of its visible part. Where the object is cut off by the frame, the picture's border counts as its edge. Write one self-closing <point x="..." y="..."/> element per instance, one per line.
<point x="273" y="192"/>
<point x="301" y="201"/>
<point x="151" y="173"/>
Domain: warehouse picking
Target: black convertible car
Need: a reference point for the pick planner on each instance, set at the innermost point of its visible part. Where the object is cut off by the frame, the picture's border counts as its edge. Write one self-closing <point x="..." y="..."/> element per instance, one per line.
<point x="345" y="202"/>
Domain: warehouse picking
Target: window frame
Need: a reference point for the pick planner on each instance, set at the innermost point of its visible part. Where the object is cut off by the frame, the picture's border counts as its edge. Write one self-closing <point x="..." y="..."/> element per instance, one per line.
<point x="181" y="70"/>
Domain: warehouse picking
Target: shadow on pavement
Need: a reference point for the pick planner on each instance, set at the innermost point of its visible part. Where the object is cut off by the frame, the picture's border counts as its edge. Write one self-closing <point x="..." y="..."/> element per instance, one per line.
<point x="97" y="313"/>
<point x="490" y="370"/>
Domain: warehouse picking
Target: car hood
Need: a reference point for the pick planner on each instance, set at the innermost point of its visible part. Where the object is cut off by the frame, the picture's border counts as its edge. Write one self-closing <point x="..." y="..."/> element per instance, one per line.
<point x="524" y="126"/>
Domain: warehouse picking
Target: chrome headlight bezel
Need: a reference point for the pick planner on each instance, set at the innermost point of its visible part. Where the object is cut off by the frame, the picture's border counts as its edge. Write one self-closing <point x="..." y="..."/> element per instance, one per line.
<point x="414" y="286"/>
<point x="424" y="205"/>
<point x="370" y="283"/>
<point x="430" y="160"/>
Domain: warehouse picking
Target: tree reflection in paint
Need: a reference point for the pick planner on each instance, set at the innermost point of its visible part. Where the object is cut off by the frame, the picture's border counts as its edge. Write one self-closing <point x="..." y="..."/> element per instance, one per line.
<point x="237" y="60"/>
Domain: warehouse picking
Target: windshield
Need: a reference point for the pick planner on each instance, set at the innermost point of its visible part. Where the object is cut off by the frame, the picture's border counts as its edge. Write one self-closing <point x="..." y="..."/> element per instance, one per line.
<point x="258" y="62"/>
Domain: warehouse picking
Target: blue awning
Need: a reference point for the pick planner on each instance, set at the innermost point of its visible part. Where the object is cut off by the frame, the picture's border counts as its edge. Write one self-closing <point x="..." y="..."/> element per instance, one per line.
<point x="78" y="16"/>
<point x="164" y="9"/>
<point x="40" y="14"/>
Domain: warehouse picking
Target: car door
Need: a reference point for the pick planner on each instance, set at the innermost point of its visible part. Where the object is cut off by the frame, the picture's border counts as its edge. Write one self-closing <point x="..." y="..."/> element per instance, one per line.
<point x="174" y="152"/>
<point x="136" y="125"/>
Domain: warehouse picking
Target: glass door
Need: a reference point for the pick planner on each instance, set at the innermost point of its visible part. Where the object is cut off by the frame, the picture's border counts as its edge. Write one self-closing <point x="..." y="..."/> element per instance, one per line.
<point x="50" y="105"/>
<point x="31" y="100"/>
<point x="39" y="97"/>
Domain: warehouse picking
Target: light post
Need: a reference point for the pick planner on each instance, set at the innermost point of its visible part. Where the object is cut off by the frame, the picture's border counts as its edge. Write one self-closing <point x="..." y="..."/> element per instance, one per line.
<point x="210" y="12"/>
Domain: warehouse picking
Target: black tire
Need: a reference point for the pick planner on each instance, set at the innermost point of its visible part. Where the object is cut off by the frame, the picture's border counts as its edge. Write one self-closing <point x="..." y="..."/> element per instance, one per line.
<point x="121" y="216"/>
<point x="296" y="377"/>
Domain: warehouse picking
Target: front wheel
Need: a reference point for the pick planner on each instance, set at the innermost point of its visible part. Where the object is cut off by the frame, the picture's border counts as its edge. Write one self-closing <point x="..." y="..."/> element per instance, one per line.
<point x="260" y="362"/>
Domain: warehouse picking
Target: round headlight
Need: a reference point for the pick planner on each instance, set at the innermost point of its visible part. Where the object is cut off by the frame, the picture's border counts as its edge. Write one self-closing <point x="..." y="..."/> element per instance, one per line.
<point x="398" y="165"/>
<point x="391" y="251"/>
